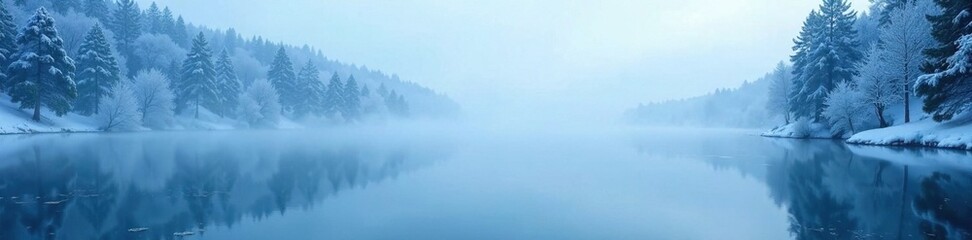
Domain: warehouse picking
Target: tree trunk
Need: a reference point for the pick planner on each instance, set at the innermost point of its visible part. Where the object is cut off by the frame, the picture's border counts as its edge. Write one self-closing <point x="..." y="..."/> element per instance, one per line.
<point x="881" y="121"/>
<point x="37" y="107"/>
<point x="850" y="123"/>
<point x="907" y="96"/>
<point x="907" y="104"/>
<point x="197" y="109"/>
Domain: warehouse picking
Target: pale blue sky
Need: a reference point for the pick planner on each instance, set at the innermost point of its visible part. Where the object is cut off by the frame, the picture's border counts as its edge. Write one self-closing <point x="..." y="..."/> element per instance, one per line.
<point x="513" y="57"/>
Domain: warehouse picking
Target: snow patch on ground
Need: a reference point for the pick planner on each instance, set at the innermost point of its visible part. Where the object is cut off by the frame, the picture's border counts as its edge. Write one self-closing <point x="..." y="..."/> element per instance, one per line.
<point x="955" y="134"/>
<point x="14" y="120"/>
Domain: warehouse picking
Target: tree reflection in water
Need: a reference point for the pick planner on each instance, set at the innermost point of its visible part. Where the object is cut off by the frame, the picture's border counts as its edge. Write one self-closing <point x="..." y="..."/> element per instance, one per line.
<point x="834" y="191"/>
<point x="161" y="186"/>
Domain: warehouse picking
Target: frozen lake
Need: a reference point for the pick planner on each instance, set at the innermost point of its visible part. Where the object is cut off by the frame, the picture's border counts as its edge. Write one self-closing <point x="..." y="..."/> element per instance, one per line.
<point x="644" y="184"/>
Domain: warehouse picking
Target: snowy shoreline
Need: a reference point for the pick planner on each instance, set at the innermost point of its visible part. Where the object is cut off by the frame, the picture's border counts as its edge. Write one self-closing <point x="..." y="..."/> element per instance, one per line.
<point x="956" y="135"/>
<point x="925" y="133"/>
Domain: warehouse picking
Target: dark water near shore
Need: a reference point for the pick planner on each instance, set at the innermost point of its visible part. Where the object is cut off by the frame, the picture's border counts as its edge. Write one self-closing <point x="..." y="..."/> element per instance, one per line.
<point x="643" y="184"/>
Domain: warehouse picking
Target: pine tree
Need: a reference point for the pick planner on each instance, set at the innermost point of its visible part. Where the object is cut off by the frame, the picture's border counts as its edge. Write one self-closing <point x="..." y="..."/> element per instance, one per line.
<point x="228" y="84"/>
<point x="179" y="33"/>
<point x="334" y="99"/>
<point x="365" y="91"/>
<point x="21" y="3"/>
<point x="153" y="19"/>
<point x="801" y="64"/>
<point x="781" y="83"/>
<point x="231" y="41"/>
<point x="166" y="22"/>
<point x="97" y="71"/>
<point x="828" y="57"/>
<point x="396" y="104"/>
<point x="311" y="89"/>
<point x="63" y="6"/>
<point x="198" y="83"/>
<point x="8" y="41"/>
<point x="126" y="27"/>
<point x="382" y="90"/>
<point x="97" y="9"/>
<point x="352" y="99"/>
<point x="281" y="75"/>
<point x="945" y="90"/>
<point x="174" y="71"/>
<point x="42" y="73"/>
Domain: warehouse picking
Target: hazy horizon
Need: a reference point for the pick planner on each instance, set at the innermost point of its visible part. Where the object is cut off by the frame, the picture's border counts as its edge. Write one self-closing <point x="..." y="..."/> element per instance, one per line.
<point x="512" y="58"/>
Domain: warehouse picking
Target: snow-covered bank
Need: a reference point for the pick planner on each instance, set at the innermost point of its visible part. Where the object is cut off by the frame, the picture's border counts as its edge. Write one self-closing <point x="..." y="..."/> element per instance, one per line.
<point x="17" y="121"/>
<point x="799" y="129"/>
<point x="955" y="134"/>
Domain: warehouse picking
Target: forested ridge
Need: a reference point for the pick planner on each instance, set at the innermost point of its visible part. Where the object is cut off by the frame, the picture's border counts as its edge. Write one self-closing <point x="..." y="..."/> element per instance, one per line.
<point x="135" y="67"/>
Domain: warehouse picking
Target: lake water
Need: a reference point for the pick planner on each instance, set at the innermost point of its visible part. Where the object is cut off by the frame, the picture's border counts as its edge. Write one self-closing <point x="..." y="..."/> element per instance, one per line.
<point x="637" y="184"/>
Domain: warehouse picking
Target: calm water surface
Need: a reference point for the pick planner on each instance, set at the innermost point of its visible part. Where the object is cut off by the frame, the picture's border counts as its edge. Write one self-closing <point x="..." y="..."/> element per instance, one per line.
<point x="643" y="184"/>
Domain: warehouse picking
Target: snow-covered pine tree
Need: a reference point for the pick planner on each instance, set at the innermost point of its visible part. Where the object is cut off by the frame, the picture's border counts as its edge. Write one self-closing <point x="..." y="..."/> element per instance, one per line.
<point x="173" y="71"/>
<point x="352" y="100"/>
<point x="126" y="27"/>
<point x="20" y="3"/>
<point x="391" y="102"/>
<point x="42" y="73"/>
<point x="781" y="83"/>
<point x="97" y="9"/>
<point x="311" y="89"/>
<point x="179" y="32"/>
<point x="281" y="75"/>
<point x="403" y="109"/>
<point x="382" y="90"/>
<point x="231" y="40"/>
<point x="8" y="41"/>
<point x="903" y="39"/>
<point x="947" y="86"/>
<point x="832" y="57"/>
<point x="365" y="91"/>
<point x="801" y="64"/>
<point x="97" y="71"/>
<point x="63" y="6"/>
<point x="166" y="22"/>
<point x="227" y="83"/>
<point x="334" y="99"/>
<point x="198" y="84"/>
<point x="153" y="19"/>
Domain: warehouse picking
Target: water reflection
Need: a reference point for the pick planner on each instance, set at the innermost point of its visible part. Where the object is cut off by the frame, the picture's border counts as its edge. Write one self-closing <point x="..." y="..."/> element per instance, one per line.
<point x="172" y="185"/>
<point x="834" y="191"/>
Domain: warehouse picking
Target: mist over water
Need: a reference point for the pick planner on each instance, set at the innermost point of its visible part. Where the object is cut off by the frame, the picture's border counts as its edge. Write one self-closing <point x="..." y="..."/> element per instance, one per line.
<point x="432" y="181"/>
